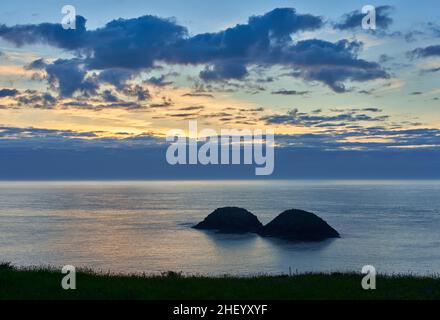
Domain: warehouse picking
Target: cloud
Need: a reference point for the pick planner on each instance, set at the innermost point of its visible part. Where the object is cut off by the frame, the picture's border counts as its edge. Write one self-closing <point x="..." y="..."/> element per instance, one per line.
<point x="8" y="92"/>
<point x="122" y="43"/>
<point x="431" y="70"/>
<point x="372" y="109"/>
<point x="434" y="28"/>
<point x="159" y="81"/>
<point x="294" y="117"/>
<point x="38" y="64"/>
<point x="430" y="51"/>
<point x="108" y="96"/>
<point x="245" y="41"/>
<point x="412" y="35"/>
<point x="47" y="33"/>
<point x="35" y="99"/>
<point x="290" y="92"/>
<point x="353" y="20"/>
<point x="370" y="138"/>
<point x="195" y="94"/>
<point x="70" y="76"/>
<point x="224" y="70"/>
<point x="191" y="108"/>
<point x="116" y="76"/>
<point x="354" y="138"/>
<point x="78" y="104"/>
<point x="26" y="133"/>
<point x="137" y="91"/>
<point x="124" y="47"/>
<point x="164" y="104"/>
<point x="332" y="63"/>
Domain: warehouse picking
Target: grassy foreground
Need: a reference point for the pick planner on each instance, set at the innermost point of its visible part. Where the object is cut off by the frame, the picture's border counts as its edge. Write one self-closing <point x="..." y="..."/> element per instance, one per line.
<point x="45" y="283"/>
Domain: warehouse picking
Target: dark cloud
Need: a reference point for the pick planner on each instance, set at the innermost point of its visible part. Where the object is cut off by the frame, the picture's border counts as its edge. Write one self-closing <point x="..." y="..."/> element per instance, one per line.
<point x="434" y="28"/>
<point x="224" y="70"/>
<point x="122" y="43"/>
<point x="265" y="80"/>
<point x="367" y="92"/>
<point x="124" y="47"/>
<point x="164" y="104"/>
<point x="15" y="132"/>
<point x="244" y="40"/>
<point x="137" y="91"/>
<point x="159" y="81"/>
<point x="35" y="99"/>
<point x="108" y="96"/>
<point x="294" y="117"/>
<point x="372" y="109"/>
<point x="206" y="95"/>
<point x="38" y="64"/>
<point x="70" y="76"/>
<point x="290" y="92"/>
<point x="183" y="115"/>
<point x="432" y="70"/>
<point x="252" y="110"/>
<point x="8" y="92"/>
<point x="190" y="108"/>
<point x="217" y="115"/>
<point x="423" y="31"/>
<point x="412" y="35"/>
<point x="333" y="63"/>
<point x="119" y="105"/>
<point x="384" y="58"/>
<point x="332" y="138"/>
<point x="48" y="33"/>
<point x="132" y="43"/>
<point x="430" y="51"/>
<point x="116" y="76"/>
<point x="353" y="20"/>
<point x="426" y="138"/>
<point x="78" y="104"/>
<point x="120" y="49"/>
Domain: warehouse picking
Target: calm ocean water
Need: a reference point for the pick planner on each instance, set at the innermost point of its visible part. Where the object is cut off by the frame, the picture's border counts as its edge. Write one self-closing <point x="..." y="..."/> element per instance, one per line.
<point x="145" y="226"/>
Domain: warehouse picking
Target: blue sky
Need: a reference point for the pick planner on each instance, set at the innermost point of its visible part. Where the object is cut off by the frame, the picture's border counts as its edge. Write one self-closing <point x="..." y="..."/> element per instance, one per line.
<point x="298" y="67"/>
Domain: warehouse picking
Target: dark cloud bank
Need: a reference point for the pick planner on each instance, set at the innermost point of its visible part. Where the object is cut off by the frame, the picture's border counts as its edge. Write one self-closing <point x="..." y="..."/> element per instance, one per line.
<point x="31" y="153"/>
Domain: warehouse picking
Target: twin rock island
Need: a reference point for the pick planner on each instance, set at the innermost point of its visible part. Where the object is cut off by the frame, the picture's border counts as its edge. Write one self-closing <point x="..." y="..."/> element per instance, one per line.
<point x="293" y="225"/>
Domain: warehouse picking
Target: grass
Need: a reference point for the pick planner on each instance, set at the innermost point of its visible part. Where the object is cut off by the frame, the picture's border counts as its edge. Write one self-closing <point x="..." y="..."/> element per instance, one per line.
<point x="45" y="283"/>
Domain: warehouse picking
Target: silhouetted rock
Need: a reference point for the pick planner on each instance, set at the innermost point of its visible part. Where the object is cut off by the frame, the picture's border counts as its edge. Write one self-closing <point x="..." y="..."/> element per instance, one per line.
<point x="299" y="225"/>
<point x="230" y="220"/>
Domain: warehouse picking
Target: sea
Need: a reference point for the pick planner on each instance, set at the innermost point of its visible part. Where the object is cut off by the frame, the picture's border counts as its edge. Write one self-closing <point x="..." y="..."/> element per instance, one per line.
<point x="135" y="227"/>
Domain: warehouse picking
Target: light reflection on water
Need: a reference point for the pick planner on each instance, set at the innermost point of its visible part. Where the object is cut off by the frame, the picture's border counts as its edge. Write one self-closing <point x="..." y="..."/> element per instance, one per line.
<point x="145" y="226"/>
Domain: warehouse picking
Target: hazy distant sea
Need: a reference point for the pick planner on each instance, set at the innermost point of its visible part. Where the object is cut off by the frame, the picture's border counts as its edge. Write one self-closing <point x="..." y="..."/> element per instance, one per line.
<point x="145" y="226"/>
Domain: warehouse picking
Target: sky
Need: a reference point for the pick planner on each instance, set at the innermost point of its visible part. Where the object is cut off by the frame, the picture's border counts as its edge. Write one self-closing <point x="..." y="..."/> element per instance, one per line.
<point x="97" y="101"/>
